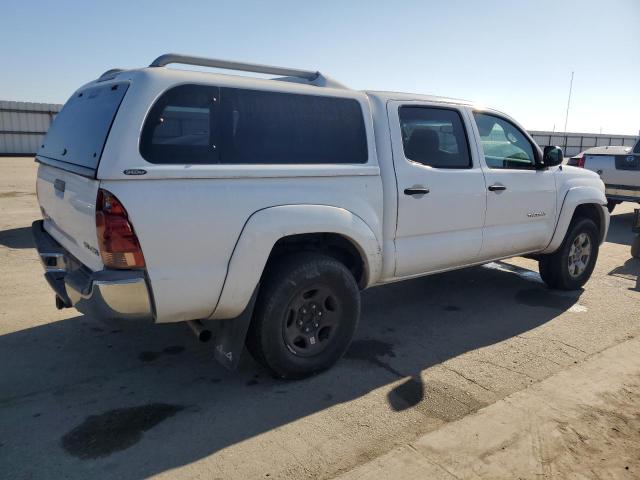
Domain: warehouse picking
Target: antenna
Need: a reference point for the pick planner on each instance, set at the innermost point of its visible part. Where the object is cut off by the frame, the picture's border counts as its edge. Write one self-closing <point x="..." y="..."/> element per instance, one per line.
<point x="566" y="117"/>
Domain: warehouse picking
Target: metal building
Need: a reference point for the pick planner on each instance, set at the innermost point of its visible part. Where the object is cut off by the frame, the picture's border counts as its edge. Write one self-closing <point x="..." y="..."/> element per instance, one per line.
<point x="23" y="125"/>
<point x="574" y="143"/>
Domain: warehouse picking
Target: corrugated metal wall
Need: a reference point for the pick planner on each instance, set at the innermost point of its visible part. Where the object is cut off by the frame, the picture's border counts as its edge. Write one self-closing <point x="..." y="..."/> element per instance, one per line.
<point x="574" y="143"/>
<point x="23" y="125"/>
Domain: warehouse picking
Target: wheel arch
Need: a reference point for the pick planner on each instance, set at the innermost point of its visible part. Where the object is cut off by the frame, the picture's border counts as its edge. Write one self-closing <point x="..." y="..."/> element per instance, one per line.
<point x="594" y="212"/>
<point x="335" y="245"/>
<point x="580" y="202"/>
<point x="275" y="231"/>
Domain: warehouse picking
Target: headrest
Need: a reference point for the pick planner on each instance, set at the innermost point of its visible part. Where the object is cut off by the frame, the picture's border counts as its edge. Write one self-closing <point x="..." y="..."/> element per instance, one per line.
<point x="422" y="141"/>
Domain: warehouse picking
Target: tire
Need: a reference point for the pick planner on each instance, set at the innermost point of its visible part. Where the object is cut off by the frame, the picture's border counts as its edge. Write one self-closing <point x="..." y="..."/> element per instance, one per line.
<point x="555" y="268"/>
<point x="305" y="317"/>
<point x="611" y="204"/>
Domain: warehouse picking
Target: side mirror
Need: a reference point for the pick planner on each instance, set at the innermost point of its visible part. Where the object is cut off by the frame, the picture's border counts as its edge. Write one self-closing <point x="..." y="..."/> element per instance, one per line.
<point x="552" y="156"/>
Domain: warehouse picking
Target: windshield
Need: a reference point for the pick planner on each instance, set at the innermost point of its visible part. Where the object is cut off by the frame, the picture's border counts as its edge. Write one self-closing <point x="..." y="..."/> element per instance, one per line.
<point x="80" y="130"/>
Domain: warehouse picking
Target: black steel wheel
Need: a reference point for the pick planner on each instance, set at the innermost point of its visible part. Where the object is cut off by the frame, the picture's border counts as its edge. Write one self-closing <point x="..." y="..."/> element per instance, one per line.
<point x="305" y="316"/>
<point x="312" y="319"/>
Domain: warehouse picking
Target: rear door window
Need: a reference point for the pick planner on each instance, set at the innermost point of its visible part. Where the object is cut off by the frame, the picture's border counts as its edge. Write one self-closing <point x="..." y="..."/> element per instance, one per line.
<point x="434" y="136"/>
<point x="202" y="124"/>
<point x="79" y="132"/>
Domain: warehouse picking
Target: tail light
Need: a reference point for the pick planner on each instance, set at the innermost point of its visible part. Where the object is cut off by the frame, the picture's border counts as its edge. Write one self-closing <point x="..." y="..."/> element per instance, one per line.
<point x="119" y="245"/>
<point x="580" y="162"/>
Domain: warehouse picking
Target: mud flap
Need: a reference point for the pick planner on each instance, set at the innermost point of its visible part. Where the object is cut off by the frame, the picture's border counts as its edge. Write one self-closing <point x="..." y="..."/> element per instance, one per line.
<point x="229" y="335"/>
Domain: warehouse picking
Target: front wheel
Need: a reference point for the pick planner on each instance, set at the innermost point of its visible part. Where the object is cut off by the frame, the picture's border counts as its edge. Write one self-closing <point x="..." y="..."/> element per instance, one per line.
<point x="305" y="317"/>
<point x="571" y="265"/>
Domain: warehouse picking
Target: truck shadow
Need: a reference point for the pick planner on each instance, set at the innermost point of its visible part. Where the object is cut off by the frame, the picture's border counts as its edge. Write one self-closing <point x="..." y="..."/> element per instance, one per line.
<point x="17" y="238"/>
<point x="137" y="401"/>
<point x="630" y="270"/>
<point x="620" y="229"/>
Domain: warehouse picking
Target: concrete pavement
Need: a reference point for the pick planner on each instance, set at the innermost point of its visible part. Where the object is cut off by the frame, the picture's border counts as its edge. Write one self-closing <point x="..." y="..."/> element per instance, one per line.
<point x="580" y="423"/>
<point x="81" y="399"/>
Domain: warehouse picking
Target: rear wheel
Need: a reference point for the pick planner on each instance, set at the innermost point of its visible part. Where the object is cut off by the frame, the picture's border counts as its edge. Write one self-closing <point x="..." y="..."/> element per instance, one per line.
<point x="305" y="317"/>
<point x="571" y="265"/>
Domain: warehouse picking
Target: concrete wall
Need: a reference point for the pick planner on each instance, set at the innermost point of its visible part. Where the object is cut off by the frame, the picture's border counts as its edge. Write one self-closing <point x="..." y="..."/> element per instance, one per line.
<point x="574" y="143"/>
<point x="23" y="125"/>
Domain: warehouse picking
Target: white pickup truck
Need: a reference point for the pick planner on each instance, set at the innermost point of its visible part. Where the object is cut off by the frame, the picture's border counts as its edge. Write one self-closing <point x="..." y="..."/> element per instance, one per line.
<point x="619" y="168"/>
<point x="259" y="208"/>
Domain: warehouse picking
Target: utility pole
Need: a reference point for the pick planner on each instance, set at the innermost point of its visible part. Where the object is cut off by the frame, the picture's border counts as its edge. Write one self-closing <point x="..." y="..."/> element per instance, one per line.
<point x="566" y="117"/>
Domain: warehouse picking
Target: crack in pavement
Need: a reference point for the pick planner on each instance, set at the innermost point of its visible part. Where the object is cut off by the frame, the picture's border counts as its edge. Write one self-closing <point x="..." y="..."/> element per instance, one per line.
<point x="451" y="369"/>
<point x="497" y="365"/>
<point x="553" y="340"/>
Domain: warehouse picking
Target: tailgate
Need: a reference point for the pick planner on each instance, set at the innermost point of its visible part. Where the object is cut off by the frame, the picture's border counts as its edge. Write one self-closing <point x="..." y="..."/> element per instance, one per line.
<point x="69" y="157"/>
<point x="68" y="204"/>
<point x="615" y="169"/>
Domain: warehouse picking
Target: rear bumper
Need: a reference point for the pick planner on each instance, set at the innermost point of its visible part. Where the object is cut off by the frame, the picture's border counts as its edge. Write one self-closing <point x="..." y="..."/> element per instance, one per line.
<point x="624" y="193"/>
<point x="105" y="294"/>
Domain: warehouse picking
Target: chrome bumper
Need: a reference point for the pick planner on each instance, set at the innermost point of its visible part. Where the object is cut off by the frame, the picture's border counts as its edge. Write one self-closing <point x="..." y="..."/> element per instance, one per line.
<point x="106" y="294"/>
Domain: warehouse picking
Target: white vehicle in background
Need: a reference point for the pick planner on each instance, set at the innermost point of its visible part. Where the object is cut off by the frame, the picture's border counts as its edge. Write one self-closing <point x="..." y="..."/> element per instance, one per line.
<point x="257" y="209"/>
<point x="619" y="169"/>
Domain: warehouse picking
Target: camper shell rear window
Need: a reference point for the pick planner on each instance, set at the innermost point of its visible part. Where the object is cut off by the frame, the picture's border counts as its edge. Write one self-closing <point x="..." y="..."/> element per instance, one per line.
<point x="79" y="132"/>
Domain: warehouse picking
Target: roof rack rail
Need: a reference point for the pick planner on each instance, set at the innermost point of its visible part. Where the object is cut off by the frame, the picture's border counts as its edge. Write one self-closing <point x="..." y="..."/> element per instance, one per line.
<point x="289" y="74"/>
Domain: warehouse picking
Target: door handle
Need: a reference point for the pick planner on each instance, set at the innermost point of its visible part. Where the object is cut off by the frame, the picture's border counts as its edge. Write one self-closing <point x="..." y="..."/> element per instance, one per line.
<point x="416" y="191"/>
<point x="497" y="188"/>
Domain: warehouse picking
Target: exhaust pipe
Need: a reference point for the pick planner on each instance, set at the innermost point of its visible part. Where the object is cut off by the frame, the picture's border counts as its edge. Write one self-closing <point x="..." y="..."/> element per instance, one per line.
<point x="203" y="334"/>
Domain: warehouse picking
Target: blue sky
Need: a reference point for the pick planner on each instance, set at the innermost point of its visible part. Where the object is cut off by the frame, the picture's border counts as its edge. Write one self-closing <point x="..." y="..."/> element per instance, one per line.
<point x="513" y="55"/>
